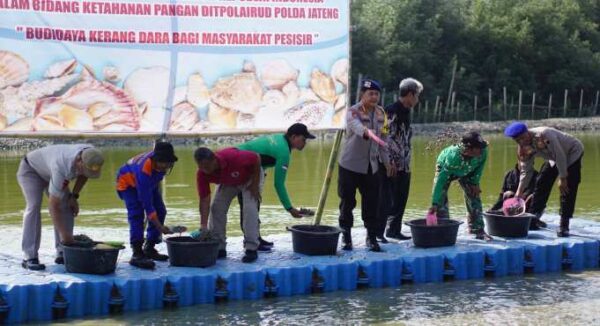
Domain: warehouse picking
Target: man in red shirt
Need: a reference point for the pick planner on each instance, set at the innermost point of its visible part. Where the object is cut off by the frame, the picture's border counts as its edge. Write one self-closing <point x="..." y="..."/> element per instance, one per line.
<point x="234" y="171"/>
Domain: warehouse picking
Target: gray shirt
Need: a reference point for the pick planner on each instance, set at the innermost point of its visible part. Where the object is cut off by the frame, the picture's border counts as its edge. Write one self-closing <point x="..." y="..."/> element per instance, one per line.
<point x="554" y="146"/>
<point x="359" y="152"/>
<point x="56" y="165"/>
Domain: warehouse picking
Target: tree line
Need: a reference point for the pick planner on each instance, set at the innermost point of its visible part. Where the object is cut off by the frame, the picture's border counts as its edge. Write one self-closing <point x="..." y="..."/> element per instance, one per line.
<point x="547" y="47"/>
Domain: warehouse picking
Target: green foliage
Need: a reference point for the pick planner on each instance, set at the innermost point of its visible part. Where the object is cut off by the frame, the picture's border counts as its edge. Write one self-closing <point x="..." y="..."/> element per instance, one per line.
<point x="545" y="46"/>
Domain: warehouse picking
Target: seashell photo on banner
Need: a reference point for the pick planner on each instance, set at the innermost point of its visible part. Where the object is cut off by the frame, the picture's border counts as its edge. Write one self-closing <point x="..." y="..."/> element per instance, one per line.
<point x="71" y="96"/>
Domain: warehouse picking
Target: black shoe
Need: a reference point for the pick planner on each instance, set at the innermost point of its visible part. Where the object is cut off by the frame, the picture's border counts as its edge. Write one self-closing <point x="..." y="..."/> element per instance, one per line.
<point x="382" y="239"/>
<point x="60" y="260"/>
<point x="347" y="240"/>
<point x="151" y="253"/>
<point x="33" y="264"/>
<point x="250" y="256"/>
<point x="372" y="244"/>
<point x="222" y="254"/>
<point x="537" y="224"/>
<point x="264" y="242"/>
<point x="396" y="235"/>
<point x="562" y="233"/>
<point x="142" y="262"/>
<point x="262" y="248"/>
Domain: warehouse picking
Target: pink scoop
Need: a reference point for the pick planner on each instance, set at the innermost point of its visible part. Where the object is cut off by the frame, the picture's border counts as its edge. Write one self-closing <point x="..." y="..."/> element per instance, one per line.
<point x="513" y="206"/>
<point x="431" y="219"/>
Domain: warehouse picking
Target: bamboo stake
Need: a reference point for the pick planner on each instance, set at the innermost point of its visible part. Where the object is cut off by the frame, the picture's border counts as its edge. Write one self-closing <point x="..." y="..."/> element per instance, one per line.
<point x="475" y="109"/>
<point x="437" y="102"/>
<point x="520" y="102"/>
<point x="489" y="104"/>
<point x="359" y="81"/>
<point x="452" y="107"/>
<point x="596" y="103"/>
<point x="504" y="101"/>
<point x="457" y="111"/>
<point x="549" y="106"/>
<point x="580" y="102"/>
<point x="383" y="98"/>
<point x="426" y="111"/>
<point x="533" y="106"/>
<point x="565" y="103"/>
<point x="328" y="175"/>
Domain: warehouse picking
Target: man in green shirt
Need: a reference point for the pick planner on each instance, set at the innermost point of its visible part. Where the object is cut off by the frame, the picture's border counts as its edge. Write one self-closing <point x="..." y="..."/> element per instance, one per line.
<point x="463" y="162"/>
<point x="274" y="151"/>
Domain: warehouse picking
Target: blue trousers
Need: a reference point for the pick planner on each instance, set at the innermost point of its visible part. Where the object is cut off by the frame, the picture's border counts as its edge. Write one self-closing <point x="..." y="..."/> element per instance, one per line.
<point x="136" y="216"/>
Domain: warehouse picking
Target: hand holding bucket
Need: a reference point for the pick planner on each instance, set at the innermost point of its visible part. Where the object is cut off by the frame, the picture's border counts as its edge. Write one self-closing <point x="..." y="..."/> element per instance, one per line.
<point x="431" y="218"/>
<point x="514" y="206"/>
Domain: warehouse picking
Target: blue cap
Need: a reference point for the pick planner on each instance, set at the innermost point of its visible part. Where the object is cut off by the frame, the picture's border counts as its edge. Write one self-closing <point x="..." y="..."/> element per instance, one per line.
<point x="515" y="129"/>
<point x="370" y="84"/>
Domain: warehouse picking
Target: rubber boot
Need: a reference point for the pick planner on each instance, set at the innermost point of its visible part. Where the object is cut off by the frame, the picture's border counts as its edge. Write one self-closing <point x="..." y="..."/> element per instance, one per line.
<point x="151" y="253"/>
<point x="563" y="230"/>
<point x="347" y="239"/>
<point x="138" y="259"/>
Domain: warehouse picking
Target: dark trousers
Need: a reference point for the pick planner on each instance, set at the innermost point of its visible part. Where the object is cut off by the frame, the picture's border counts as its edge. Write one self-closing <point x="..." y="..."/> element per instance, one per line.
<point x="393" y="195"/>
<point x="135" y="215"/>
<point x="368" y="187"/>
<point x="543" y="187"/>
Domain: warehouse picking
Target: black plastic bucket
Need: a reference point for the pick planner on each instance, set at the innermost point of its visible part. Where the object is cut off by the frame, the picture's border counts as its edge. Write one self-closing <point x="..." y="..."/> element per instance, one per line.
<point x="189" y="252"/>
<point x="315" y="240"/>
<point x="90" y="260"/>
<point x="441" y="235"/>
<point x="500" y="225"/>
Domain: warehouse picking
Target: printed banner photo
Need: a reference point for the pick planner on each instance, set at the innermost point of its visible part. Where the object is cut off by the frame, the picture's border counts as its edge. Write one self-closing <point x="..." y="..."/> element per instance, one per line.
<point x="172" y="66"/>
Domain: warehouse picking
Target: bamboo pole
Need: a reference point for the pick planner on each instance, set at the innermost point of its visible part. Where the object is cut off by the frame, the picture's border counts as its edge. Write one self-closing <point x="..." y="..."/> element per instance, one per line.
<point x="596" y="103"/>
<point x="475" y="109"/>
<point x="504" y="101"/>
<point x="437" y="102"/>
<point x="520" y="102"/>
<point x="359" y="82"/>
<point x="452" y="107"/>
<point x="489" y="104"/>
<point x="580" y="102"/>
<point x="565" y="103"/>
<point x="328" y="175"/>
<point x="426" y="111"/>
<point x="533" y="106"/>
<point x="451" y="84"/>
<point x="457" y="111"/>
<point x="383" y="98"/>
<point x="549" y="106"/>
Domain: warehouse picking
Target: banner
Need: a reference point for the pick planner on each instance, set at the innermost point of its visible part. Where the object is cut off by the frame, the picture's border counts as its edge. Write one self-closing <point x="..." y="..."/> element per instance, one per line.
<point x="172" y="67"/>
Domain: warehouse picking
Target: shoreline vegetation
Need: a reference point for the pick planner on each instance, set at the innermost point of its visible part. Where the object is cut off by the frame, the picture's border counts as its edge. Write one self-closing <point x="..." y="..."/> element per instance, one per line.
<point x="15" y="146"/>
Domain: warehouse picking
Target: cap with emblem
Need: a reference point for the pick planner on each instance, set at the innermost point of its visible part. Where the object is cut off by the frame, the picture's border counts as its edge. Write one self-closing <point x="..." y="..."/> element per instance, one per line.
<point x="92" y="160"/>
<point x="368" y="84"/>
<point x="515" y="129"/>
<point x="473" y="139"/>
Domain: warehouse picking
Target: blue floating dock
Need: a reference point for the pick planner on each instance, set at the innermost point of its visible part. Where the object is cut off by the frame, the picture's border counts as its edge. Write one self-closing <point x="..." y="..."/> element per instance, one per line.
<point x="27" y="296"/>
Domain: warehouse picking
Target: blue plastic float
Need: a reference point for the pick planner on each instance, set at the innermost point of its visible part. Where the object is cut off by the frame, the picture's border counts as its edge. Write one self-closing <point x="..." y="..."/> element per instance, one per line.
<point x="27" y="296"/>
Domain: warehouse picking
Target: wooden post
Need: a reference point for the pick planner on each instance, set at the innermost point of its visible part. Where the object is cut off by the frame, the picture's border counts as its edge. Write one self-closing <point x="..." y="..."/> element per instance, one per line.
<point x="457" y="111"/>
<point x="520" y="102"/>
<point x="549" y="106"/>
<point x="489" y="104"/>
<point x="475" y="109"/>
<point x="358" y="83"/>
<point x="596" y="103"/>
<point x="451" y="84"/>
<point x="580" y="102"/>
<point x="533" y="106"/>
<point x="328" y="174"/>
<point x="504" y="101"/>
<point x="452" y="107"/>
<point x="565" y="103"/>
<point x="437" y="102"/>
<point x="426" y="111"/>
